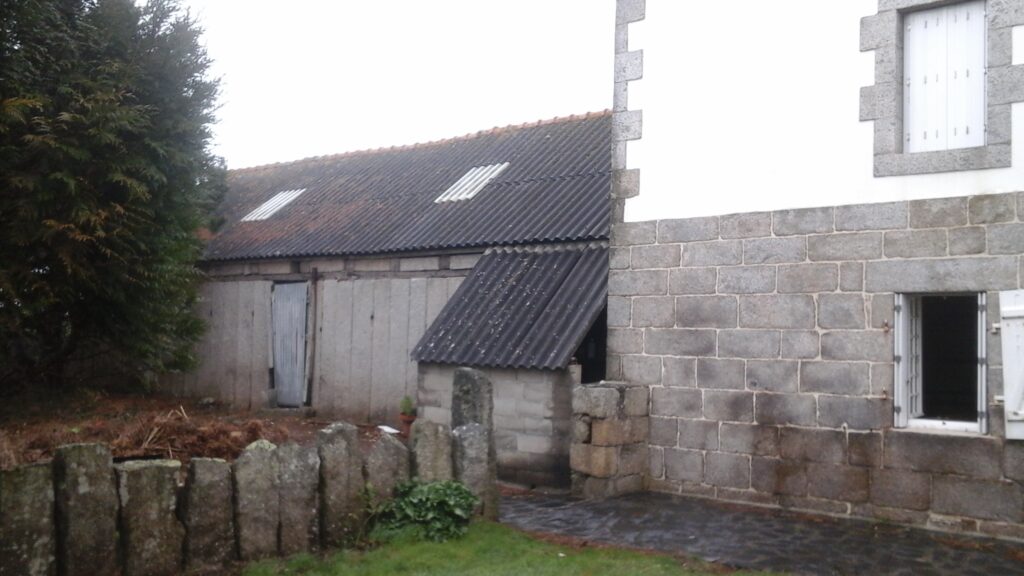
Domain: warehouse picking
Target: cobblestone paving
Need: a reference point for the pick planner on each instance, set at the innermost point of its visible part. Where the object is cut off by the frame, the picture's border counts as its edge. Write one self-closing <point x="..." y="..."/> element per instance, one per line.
<point x="747" y="537"/>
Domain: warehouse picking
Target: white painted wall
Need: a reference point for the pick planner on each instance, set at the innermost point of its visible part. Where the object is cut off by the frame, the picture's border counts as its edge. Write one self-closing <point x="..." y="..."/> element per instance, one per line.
<point x="752" y="105"/>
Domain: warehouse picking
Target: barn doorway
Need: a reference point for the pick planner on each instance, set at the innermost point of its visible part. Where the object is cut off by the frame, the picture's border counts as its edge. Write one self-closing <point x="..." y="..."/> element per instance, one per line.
<point x="288" y="308"/>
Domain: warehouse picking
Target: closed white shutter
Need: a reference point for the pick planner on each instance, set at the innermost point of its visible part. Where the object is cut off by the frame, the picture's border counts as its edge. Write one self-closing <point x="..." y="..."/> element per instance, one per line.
<point x="944" y="77"/>
<point x="1011" y="307"/>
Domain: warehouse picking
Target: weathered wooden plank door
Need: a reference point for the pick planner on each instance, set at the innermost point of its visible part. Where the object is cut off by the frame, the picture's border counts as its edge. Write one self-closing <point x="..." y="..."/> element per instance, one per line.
<point x="289" y="317"/>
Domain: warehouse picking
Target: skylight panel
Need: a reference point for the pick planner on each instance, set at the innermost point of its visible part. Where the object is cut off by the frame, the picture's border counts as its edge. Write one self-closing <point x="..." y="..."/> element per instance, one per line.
<point x="270" y="207"/>
<point x="471" y="183"/>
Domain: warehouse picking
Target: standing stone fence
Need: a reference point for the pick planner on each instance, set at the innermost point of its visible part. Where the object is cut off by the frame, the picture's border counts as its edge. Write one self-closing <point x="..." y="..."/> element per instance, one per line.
<point x="608" y="455"/>
<point x="84" y="514"/>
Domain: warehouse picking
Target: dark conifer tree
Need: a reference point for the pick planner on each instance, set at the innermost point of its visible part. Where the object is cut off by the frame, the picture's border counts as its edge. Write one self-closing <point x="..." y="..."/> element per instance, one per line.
<point x="106" y="175"/>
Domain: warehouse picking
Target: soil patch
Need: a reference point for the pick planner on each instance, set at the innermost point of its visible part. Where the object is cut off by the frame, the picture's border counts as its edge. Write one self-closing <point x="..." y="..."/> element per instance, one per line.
<point x="136" y="426"/>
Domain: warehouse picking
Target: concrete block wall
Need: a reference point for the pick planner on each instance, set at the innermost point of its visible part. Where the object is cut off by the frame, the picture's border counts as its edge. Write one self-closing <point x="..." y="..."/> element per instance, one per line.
<point x="766" y="340"/>
<point x="532" y="419"/>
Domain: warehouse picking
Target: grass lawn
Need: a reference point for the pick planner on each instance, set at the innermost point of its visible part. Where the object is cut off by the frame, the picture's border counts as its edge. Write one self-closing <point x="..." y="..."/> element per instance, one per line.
<point x="488" y="550"/>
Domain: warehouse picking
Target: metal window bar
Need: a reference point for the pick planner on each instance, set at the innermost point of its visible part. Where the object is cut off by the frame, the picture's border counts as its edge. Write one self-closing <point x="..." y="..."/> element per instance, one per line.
<point x="982" y="364"/>
<point x="915" y="395"/>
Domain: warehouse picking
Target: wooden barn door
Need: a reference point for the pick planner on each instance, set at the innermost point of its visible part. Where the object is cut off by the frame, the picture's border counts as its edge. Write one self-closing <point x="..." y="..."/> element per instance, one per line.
<point x="289" y="315"/>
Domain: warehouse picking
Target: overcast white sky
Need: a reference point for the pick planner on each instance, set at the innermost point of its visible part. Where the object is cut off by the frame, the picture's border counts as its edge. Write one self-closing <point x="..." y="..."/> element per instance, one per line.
<point x="311" y="77"/>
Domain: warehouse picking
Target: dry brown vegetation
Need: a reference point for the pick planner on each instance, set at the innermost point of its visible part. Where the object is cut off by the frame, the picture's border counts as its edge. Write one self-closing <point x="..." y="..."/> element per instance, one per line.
<point x="139" y="427"/>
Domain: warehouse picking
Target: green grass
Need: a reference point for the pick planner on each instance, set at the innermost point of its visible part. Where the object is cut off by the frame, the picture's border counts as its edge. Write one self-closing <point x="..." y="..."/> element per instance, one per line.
<point x="487" y="550"/>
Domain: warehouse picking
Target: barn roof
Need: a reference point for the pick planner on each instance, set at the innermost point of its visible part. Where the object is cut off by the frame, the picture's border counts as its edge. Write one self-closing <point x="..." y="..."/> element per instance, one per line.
<point x="521" y="308"/>
<point x="555" y="188"/>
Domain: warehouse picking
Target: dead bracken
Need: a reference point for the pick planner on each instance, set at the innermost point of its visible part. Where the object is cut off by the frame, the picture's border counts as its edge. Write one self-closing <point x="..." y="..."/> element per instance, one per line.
<point x="142" y="427"/>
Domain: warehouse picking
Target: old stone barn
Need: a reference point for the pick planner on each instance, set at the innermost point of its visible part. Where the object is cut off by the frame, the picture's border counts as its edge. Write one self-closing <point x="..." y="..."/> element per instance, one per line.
<point x="344" y="283"/>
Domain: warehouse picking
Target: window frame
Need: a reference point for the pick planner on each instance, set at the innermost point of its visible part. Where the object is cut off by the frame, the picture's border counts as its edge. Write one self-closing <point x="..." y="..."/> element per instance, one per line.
<point x="907" y="324"/>
<point x="882" y="103"/>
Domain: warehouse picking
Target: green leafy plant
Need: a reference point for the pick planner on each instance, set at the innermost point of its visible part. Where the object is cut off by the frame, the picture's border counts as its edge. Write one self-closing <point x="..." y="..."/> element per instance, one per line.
<point x="435" y="511"/>
<point x="407" y="407"/>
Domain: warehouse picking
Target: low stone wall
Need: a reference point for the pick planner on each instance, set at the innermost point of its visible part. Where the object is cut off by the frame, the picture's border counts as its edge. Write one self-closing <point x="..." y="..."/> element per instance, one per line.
<point x="609" y="442"/>
<point x="84" y="514"/>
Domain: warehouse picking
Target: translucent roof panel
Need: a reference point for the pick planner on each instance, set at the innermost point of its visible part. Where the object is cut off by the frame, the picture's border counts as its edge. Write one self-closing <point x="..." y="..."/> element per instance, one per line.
<point x="472" y="183"/>
<point x="268" y="208"/>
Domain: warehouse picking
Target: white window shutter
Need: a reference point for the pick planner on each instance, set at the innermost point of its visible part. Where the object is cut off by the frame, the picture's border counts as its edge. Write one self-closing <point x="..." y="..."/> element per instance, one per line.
<point x="1011" y="307"/>
<point x="915" y="109"/>
<point x="944" y="77"/>
<point x="965" y="71"/>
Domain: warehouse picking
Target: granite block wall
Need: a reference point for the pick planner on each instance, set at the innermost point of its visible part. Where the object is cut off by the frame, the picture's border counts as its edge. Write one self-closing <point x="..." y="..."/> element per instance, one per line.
<point x="767" y="342"/>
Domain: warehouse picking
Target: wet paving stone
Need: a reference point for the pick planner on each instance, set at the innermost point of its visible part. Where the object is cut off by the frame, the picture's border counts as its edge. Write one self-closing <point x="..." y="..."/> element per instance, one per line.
<point x="757" y="538"/>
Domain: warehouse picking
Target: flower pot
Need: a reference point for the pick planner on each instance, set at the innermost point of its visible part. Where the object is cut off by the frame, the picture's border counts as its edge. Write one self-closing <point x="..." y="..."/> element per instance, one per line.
<point x="405" y="426"/>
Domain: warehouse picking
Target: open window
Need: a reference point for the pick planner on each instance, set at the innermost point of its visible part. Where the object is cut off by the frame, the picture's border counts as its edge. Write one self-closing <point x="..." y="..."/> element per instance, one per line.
<point x="940" y="362"/>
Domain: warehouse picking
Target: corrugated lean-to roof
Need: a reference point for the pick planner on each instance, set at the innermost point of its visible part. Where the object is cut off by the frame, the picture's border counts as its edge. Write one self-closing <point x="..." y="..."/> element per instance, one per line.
<point x="521" y="308"/>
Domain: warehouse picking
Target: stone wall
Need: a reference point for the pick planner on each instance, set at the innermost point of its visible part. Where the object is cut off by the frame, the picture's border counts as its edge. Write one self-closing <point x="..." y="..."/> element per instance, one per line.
<point x="766" y="340"/>
<point x="609" y="453"/>
<point x="83" y="514"/>
<point x="532" y="419"/>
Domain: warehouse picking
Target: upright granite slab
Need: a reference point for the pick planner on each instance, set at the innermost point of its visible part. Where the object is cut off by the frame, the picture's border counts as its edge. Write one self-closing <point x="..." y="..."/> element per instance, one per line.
<point x="28" y="540"/>
<point x="257" y="507"/>
<point x="472" y="399"/>
<point x="431" y="451"/>
<point x="208" y="516"/>
<point x="151" y="535"/>
<point x="299" y="498"/>
<point x="86" y="504"/>
<point x="475" y="467"/>
<point x="474" y="452"/>
<point x="387" y="465"/>
<point x="341" y="481"/>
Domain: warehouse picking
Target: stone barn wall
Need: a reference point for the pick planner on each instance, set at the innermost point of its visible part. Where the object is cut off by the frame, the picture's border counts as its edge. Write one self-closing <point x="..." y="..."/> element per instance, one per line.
<point x="767" y="342"/>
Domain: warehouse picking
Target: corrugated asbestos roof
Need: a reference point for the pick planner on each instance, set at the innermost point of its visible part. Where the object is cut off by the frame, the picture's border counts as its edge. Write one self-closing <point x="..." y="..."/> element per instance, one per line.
<point x="555" y="189"/>
<point x="521" y="308"/>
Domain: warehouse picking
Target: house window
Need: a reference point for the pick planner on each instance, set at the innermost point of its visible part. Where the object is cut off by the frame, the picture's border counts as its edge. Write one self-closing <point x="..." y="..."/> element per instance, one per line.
<point x="944" y="77"/>
<point x="944" y="85"/>
<point x="940" y="362"/>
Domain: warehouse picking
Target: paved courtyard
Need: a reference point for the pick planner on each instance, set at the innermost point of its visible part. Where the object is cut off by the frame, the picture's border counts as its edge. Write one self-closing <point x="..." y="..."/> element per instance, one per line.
<point x="747" y="537"/>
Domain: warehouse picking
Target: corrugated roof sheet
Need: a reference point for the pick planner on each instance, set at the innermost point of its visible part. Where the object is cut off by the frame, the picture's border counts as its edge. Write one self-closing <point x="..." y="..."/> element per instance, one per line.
<point x="521" y="308"/>
<point x="555" y="189"/>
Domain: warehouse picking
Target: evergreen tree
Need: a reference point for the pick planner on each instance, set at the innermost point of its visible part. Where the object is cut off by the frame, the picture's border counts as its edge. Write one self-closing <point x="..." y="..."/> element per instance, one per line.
<point x="105" y="177"/>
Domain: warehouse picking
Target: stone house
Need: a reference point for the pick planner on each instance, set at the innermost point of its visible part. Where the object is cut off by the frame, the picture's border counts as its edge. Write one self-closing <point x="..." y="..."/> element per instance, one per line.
<point x="816" y="255"/>
<point x="344" y="283"/>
